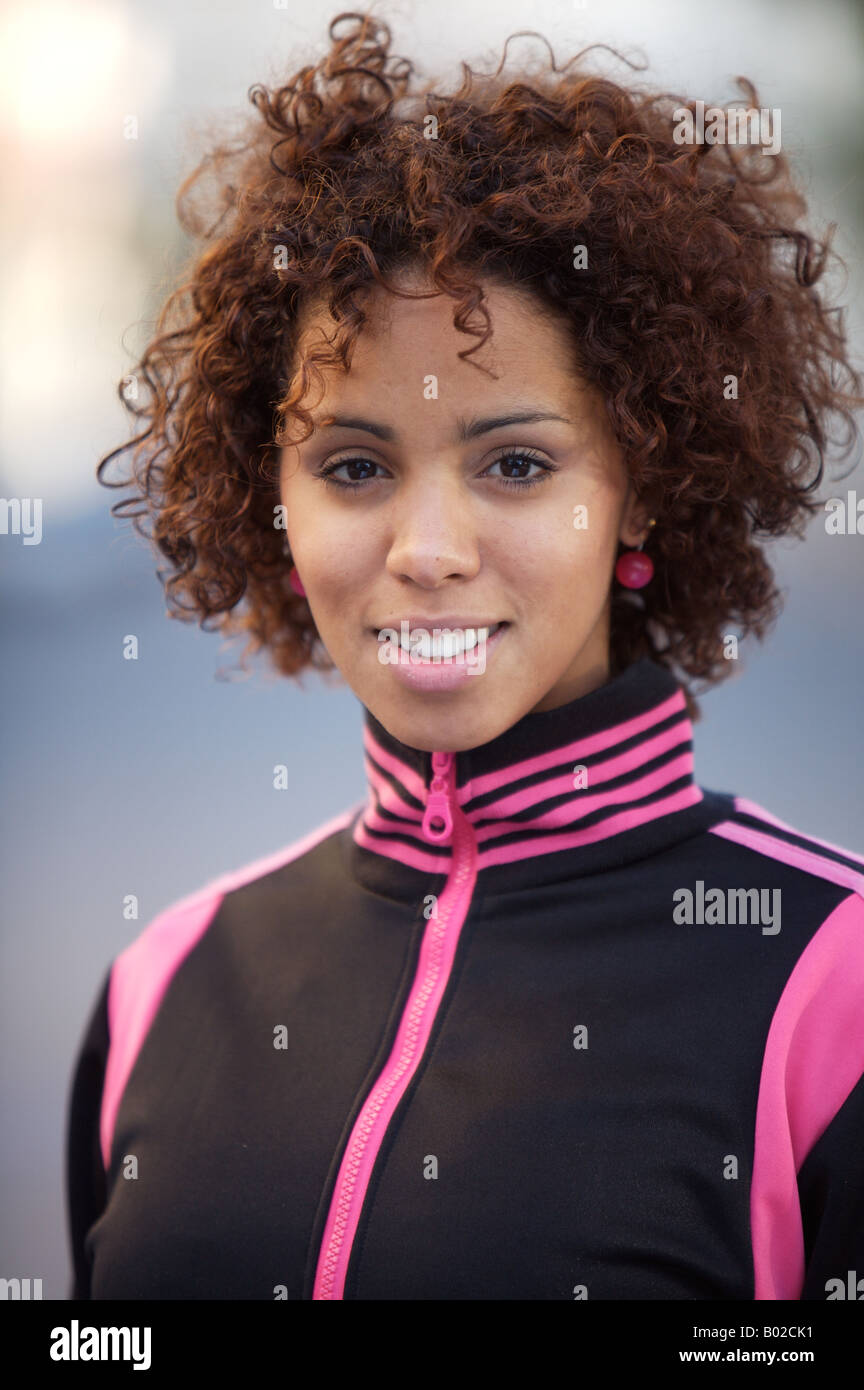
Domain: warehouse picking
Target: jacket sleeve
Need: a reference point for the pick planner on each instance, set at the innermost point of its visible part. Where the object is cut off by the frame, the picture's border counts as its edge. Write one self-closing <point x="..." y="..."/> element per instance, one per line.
<point x="831" y="1193"/>
<point x="85" y="1175"/>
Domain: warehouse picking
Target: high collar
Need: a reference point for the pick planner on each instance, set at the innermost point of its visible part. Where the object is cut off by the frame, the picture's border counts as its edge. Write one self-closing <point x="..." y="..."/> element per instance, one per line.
<point x="594" y="784"/>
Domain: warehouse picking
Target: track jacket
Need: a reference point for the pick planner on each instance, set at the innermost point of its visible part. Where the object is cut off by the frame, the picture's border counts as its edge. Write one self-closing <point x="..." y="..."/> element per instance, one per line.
<point x="543" y="1019"/>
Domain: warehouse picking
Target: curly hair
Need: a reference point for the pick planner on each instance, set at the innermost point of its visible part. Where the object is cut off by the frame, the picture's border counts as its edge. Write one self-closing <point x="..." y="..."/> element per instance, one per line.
<point x="698" y="273"/>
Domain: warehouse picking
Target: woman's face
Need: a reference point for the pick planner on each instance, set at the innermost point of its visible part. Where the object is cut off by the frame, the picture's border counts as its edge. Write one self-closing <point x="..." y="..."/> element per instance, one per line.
<point x="439" y="529"/>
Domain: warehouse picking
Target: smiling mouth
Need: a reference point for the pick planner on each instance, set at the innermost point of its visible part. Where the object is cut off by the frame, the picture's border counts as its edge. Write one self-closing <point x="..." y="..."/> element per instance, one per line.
<point x="430" y="643"/>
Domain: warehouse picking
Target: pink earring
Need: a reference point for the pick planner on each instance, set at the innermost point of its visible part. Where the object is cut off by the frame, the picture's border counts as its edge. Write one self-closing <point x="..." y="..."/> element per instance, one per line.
<point x="634" y="570"/>
<point x="296" y="582"/>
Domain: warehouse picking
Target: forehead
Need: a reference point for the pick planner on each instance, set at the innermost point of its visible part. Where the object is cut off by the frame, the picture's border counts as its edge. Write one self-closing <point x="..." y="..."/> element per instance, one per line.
<point x="405" y="336"/>
<point x="420" y="297"/>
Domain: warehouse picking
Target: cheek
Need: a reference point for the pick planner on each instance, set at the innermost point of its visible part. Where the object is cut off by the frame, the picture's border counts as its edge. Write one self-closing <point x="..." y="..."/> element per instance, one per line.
<point x="580" y="542"/>
<point x="594" y="534"/>
<point x="569" y="574"/>
<point x="336" y="572"/>
<point x="339" y="566"/>
<point x="327" y="546"/>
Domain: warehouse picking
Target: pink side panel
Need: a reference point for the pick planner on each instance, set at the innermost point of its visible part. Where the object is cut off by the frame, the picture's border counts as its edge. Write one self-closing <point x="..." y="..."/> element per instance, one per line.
<point x="814" y="1057"/>
<point x="139" y="978"/>
<point x="141" y="974"/>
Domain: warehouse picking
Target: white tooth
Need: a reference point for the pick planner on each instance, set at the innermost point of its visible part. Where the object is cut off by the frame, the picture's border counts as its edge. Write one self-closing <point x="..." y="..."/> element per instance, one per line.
<point x="448" y="644"/>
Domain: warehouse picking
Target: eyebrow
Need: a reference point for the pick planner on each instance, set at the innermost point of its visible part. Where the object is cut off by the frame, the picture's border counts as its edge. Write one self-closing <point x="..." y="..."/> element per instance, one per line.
<point x="465" y="429"/>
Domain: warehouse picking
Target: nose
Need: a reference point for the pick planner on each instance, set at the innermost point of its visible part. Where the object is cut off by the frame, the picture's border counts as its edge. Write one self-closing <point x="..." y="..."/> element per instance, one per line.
<point x="433" y="535"/>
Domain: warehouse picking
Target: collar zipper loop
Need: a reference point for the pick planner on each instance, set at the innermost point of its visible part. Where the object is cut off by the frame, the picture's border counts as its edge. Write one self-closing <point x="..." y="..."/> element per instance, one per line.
<point x="438" y="816"/>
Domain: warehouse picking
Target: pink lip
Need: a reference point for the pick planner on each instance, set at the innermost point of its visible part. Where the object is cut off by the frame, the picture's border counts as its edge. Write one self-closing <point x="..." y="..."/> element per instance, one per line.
<point x="444" y="675"/>
<point x="448" y="620"/>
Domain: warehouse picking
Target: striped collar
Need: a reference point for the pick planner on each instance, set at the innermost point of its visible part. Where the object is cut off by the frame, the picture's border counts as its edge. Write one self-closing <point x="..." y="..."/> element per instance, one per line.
<point x="593" y="784"/>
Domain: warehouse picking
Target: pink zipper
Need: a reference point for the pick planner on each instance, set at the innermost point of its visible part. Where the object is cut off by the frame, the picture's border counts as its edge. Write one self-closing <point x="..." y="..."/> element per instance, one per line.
<point x="442" y="819"/>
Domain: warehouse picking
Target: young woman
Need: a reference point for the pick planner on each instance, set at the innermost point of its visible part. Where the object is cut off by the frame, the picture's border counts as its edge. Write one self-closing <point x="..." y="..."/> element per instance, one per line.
<point x="543" y="1018"/>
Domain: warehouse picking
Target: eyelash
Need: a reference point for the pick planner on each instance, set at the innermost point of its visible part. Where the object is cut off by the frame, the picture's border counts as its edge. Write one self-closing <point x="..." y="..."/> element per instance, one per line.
<point x="327" y="471"/>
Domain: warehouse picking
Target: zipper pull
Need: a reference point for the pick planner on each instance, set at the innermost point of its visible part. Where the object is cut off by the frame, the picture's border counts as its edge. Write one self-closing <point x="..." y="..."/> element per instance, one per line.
<point x="438" y="816"/>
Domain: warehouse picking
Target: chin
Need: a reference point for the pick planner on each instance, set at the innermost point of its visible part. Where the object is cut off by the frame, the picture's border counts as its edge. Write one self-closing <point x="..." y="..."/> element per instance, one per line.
<point x="449" y="729"/>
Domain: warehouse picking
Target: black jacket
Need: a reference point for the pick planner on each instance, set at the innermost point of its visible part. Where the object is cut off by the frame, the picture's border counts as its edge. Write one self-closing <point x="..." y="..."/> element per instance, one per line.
<point x="539" y="1020"/>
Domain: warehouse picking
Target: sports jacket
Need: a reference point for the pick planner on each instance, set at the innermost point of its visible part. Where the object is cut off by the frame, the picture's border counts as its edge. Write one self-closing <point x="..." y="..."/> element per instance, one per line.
<point x="543" y="1019"/>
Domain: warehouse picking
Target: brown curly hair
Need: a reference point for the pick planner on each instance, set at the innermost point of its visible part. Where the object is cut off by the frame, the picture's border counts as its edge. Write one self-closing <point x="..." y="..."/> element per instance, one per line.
<point x="698" y="269"/>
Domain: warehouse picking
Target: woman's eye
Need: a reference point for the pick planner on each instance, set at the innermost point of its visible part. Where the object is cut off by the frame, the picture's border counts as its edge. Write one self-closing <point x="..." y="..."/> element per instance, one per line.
<point x="360" y="471"/>
<point x="328" y="473"/>
<point x="521" y="461"/>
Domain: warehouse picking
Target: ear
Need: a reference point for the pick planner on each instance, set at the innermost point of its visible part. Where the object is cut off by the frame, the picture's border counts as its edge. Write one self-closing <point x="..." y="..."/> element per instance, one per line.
<point x="635" y="519"/>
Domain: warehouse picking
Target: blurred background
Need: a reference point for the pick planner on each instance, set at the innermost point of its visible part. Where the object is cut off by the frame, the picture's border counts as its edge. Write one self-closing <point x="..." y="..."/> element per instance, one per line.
<point x="153" y="776"/>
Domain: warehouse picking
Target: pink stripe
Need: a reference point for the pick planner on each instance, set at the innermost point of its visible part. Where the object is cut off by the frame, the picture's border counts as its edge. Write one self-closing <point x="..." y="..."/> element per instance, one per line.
<point x="580" y="805"/>
<point x="389" y="798"/>
<point x="544" y="844"/>
<point x="625" y="820"/>
<point x="374" y="820"/>
<point x="141" y="974"/>
<point x="750" y="808"/>
<point x="405" y="854"/>
<point x="579" y="750"/>
<point x="814" y="1057"/>
<point x="410" y="780"/>
<point x="809" y="860"/>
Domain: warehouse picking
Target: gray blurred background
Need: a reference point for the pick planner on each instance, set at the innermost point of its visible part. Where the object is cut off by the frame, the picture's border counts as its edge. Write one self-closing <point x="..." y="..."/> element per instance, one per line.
<point x="153" y="776"/>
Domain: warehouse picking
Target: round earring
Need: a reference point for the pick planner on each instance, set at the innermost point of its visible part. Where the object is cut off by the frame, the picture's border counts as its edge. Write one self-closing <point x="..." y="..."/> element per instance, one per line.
<point x="296" y="582"/>
<point x="634" y="570"/>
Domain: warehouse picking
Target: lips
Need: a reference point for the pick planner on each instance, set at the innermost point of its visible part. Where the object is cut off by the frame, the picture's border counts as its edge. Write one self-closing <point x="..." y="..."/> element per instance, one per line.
<point x="446" y="620"/>
<point x="433" y="668"/>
